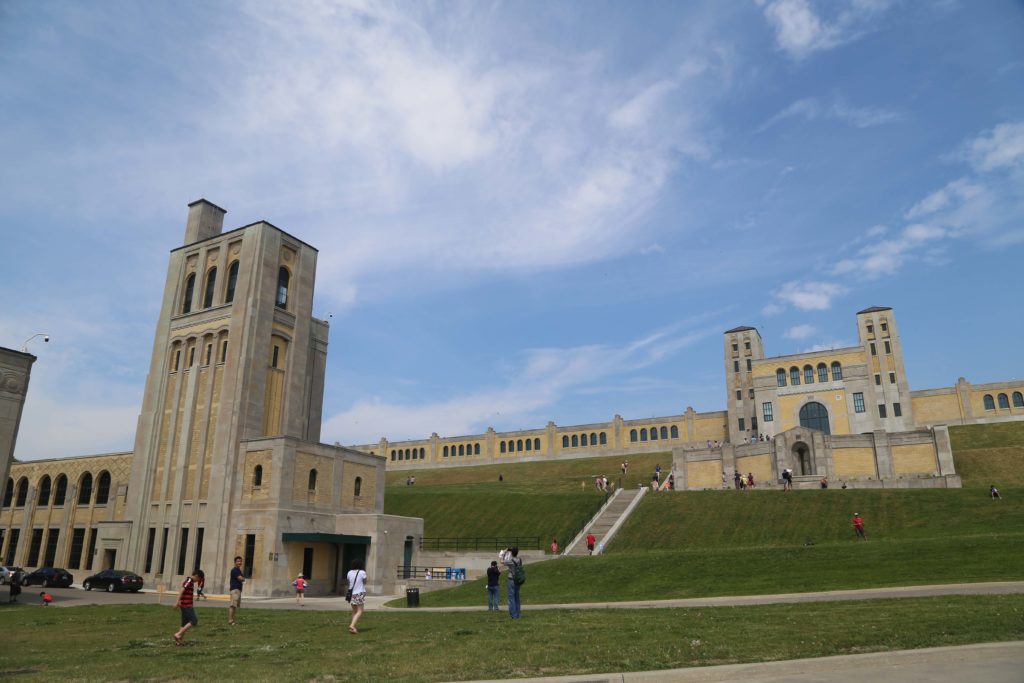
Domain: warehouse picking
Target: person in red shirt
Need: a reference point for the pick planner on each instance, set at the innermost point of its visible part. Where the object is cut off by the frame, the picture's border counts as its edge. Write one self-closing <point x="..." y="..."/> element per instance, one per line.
<point x="185" y="603"/>
<point x="591" y="541"/>
<point x="858" y="526"/>
<point x="47" y="598"/>
<point x="300" y="590"/>
<point x="554" y="546"/>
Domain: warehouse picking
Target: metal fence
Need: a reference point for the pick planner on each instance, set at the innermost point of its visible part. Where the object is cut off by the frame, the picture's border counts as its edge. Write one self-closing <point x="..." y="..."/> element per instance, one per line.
<point x="495" y="544"/>
<point x="404" y="571"/>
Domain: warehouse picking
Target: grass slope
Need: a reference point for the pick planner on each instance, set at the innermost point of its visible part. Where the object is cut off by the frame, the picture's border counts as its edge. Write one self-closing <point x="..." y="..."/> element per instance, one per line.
<point x="989" y="454"/>
<point x="125" y="642"/>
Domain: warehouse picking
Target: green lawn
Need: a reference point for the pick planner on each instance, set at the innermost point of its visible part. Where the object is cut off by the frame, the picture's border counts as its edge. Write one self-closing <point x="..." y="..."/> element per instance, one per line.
<point x="133" y="642"/>
<point x="989" y="454"/>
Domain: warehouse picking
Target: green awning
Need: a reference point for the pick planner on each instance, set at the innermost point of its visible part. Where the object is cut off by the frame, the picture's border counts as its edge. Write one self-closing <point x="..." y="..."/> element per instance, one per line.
<point x="326" y="538"/>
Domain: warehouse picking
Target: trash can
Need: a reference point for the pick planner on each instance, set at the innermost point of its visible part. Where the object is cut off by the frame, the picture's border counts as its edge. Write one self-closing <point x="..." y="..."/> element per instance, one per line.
<point x="412" y="597"/>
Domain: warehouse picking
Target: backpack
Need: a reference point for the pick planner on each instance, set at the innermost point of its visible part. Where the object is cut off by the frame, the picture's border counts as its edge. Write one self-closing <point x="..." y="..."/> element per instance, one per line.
<point x="519" y="578"/>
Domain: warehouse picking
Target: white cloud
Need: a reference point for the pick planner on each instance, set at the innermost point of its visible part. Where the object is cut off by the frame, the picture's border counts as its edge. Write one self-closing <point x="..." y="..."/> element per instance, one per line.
<point x="828" y="346"/>
<point x="887" y="256"/>
<point x="653" y="249"/>
<point x="811" y="108"/>
<point x="800" y="331"/>
<point x="810" y="296"/>
<point x="956" y="192"/>
<point x="637" y="111"/>
<point x="769" y="310"/>
<point x="800" y="31"/>
<point x="1001" y="147"/>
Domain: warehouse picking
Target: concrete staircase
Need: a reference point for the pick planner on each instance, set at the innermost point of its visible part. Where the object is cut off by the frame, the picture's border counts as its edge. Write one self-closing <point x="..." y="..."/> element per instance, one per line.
<point x="607" y="521"/>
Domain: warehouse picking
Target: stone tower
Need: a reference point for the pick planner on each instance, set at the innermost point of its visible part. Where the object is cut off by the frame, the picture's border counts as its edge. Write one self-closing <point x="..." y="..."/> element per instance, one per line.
<point x="742" y="346"/>
<point x="887" y="386"/>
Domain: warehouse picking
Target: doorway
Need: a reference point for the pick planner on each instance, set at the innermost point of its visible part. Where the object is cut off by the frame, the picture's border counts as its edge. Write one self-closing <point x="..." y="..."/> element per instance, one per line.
<point x="802" y="456"/>
<point x="109" y="557"/>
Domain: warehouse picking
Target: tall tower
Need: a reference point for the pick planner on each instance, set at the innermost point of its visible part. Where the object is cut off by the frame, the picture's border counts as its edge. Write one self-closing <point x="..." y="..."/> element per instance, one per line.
<point x="888" y="387"/>
<point x="15" y="369"/>
<point x="743" y="346"/>
<point x="237" y="355"/>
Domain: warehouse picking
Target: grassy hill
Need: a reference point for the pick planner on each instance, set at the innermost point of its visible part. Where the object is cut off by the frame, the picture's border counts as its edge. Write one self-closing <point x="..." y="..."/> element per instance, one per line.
<point x="989" y="454"/>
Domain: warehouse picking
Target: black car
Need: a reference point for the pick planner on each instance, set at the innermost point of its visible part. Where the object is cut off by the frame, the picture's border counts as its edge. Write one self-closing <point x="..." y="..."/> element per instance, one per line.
<point x="48" y="577"/>
<point x="114" y="580"/>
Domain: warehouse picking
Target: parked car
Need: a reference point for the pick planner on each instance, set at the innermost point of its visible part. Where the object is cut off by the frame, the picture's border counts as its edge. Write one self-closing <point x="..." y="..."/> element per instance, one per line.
<point x="49" y="577"/>
<point x="114" y="580"/>
<point x="7" y="572"/>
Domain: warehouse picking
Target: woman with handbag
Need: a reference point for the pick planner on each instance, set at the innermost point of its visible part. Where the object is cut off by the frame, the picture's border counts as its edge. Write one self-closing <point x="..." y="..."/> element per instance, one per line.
<point x="356" y="593"/>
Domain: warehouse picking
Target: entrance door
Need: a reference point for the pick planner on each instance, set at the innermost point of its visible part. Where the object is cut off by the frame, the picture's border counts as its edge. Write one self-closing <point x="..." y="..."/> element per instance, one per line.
<point x="109" y="556"/>
<point x="350" y="552"/>
<point x="407" y="564"/>
<point x="802" y="455"/>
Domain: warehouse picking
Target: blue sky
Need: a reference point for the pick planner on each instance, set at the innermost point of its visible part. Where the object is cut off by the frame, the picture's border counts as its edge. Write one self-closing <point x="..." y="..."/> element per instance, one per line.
<point x="525" y="211"/>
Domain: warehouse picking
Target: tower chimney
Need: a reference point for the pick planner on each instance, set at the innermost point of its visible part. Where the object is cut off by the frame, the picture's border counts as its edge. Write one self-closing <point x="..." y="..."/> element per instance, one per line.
<point x="205" y="220"/>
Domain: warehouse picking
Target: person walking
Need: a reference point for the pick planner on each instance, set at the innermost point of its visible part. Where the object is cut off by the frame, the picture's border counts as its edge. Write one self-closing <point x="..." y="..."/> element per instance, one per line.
<point x="493" y="590"/>
<point x="357" y="584"/>
<point x="513" y="563"/>
<point x="591" y="541"/>
<point x="554" y="546"/>
<point x="300" y="584"/>
<point x="993" y="492"/>
<point x="858" y="526"/>
<point x="185" y="603"/>
<point x="235" y="586"/>
<point x="787" y="480"/>
<point x="14" y="585"/>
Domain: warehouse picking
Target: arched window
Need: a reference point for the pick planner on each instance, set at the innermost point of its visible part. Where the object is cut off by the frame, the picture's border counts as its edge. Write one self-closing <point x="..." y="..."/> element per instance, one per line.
<point x="229" y="295"/>
<point x="190" y="288"/>
<point x="1004" y="401"/>
<point x="446" y="451"/>
<point x="990" y="403"/>
<point x="282" y="287"/>
<point x="103" y="488"/>
<point x="257" y="475"/>
<point x="358" y="487"/>
<point x="837" y="371"/>
<point x="22" y="496"/>
<point x="654" y="433"/>
<point x="85" y="489"/>
<point x="632" y="435"/>
<point x="664" y="432"/>
<point x="60" y="491"/>
<point x="822" y="372"/>
<point x="643" y="433"/>
<point x="675" y="432"/>
<point x="312" y="480"/>
<point x="476" y="449"/>
<point x="44" y="491"/>
<point x="814" y="416"/>
<point x="9" y="493"/>
<point x="423" y="453"/>
<point x="1018" y="400"/>
<point x="536" y="444"/>
<point x="593" y="439"/>
<point x="529" y="444"/>
<point x="583" y="439"/>
<point x="393" y="454"/>
<point x="501" y="447"/>
<point x="808" y="374"/>
<point x="565" y="441"/>
<point x="794" y="376"/>
<point x="462" y="449"/>
<point x="780" y="377"/>
<point x="519" y="445"/>
<point x="211" y="285"/>
<point x="575" y="440"/>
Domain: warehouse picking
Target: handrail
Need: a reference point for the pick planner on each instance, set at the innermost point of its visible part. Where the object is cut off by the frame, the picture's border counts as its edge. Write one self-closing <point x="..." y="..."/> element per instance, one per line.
<point x="485" y="543"/>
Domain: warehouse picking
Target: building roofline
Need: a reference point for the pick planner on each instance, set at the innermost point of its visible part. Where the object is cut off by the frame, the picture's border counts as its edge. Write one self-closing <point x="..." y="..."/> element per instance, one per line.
<point x="741" y="328"/>
<point x="224" y="234"/>
<point x="875" y="309"/>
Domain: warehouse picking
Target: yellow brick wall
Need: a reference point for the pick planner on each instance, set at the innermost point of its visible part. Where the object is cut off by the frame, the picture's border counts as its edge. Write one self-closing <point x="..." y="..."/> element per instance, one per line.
<point x="273" y="402"/>
<point x="936" y="408"/>
<point x="715" y="429"/>
<point x="252" y="459"/>
<point x="788" y="407"/>
<point x="323" y="561"/>
<point x="704" y="474"/>
<point x="914" y="459"/>
<point x="768" y="367"/>
<point x="165" y="426"/>
<point x="324" y="466"/>
<point x="198" y="421"/>
<point x="204" y="484"/>
<point x="854" y="462"/>
<point x="368" y="489"/>
<point x="758" y="465"/>
<point x="178" y="427"/>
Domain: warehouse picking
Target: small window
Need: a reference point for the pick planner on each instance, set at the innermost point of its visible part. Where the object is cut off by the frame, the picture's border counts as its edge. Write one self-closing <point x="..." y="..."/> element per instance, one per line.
<point x="735" y="366"/>
<point x="858" y="402"/>
<point x="393" y="456"/>
<point x="871" y="328"/>
<point x="1018" y="400"/>
<point x="896" y="410"/>
<point x="822" y="372"/>
<point x="780" y="377"/>
<point x="565" y="440"/>
<point x="593" y="439"/>
<point x="735" y="347"/>
<point x="604" y="437"/>
<point x="743" y="425"/>
<point x="103" y="488"/>
<point x="177" y="360"/>
<point x="878" y="380"/>
<point x="257" y="474"/>
<point x="476" y="448"/>
<point x="739" y="394"/>
<point x="1004" y="401"/>
<point x="224" y="351"/>
<point x="746" y="345"/>
<point x="874" y="352"/>
<point x="583" y="440"/>
<point x="536" y="446"/>
<point x="22" y="497"/>
<point x="794" y="376"/>
<point x="808" y="374"/>
<point x="9" y="493"/>
<point x="358" y="487"/>
<point x="837" y="371"/>
<point x="674" y="431"/>
<point x="462" y="449"/>
<point x="753" y="423"/>
<point x="881" y="410"/>
<point x="990" y="403"/>
<point x="229" y="295"/>
<point x="749" y="365"/>
<point x="211" y="285"/>
<point x="750" y="394"/>
<point x="885" y="327"/>
<point x="209" y="353"/>
<point x="643" y="434"/>
<point x="632" y="435"/>
<point x="282" y="287"/>
<point x="529" y="444"/>
<point x="888" y="348"/>
<point x="312" y="480"/>
<point x="575" y="440"/>
<point x="519" y="445"/>
<point x="501" y="447"/>
<point x="190" y="288"/>
<point x="892" y="378"/>
<point x="191" y="356"/>
<point x="85" y="489"/>
<point x="60" y="491"/>
<point x="766" y="411"/>
<point x="44" y="491"/>
<point x="664" y="432"/>
<point x="654" y="433"/>
<point x="275" y="356"/>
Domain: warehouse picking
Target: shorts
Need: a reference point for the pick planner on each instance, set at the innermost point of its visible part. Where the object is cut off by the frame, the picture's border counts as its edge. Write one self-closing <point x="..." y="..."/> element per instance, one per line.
<point x="299" y="591"/>
<point x="188" y="616"/>
<point x="359" y="598"/>
<point x="236" y="598"/>
<point x="590" y="546"/>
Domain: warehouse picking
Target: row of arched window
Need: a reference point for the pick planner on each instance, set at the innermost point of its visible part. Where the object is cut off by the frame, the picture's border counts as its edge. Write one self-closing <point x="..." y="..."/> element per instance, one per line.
<point x="210" y="288"/>
<point x="461" y="449"/>
<point x="407" y="454"/>
<point x="654" y="434"/>
<point x="54" y="491"/>
<point x="583" y="440"/>
<point x="1004" y="401"/>
<point x="517" y="445"/>
<point x="808" y="374"/>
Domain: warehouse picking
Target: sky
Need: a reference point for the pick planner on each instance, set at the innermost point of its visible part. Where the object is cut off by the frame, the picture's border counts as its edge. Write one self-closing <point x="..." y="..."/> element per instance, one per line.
<point x="525" y="211"/>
